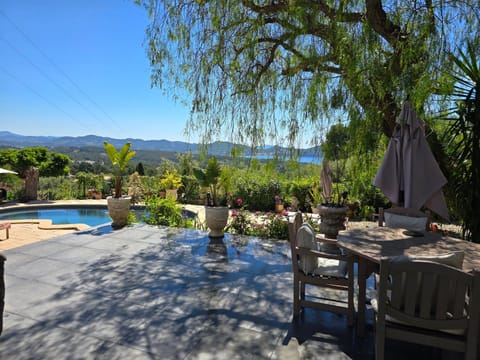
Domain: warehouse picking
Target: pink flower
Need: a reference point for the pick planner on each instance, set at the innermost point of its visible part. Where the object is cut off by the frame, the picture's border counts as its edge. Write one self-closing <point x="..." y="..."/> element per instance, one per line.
<point x="284" y="212"/>
<point x="277" y="197"/>
<point x="234" y="213"/>
<point x="239" y="202"/>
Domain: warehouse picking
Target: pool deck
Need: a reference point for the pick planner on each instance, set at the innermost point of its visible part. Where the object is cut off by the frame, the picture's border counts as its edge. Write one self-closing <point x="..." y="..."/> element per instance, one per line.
<point x="28" y="232"/>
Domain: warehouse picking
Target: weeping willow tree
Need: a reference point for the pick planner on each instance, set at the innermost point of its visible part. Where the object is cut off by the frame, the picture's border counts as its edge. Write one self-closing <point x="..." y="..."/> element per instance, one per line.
<point x="281" y="71"/>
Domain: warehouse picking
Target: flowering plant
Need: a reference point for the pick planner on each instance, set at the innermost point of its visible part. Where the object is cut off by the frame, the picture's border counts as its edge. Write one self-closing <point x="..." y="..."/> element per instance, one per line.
<point x="241" y="223"/>
<point x="278" y="199"/>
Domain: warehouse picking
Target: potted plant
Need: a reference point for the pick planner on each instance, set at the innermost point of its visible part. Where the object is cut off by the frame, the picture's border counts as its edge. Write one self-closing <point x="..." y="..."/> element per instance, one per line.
<point x="118" y="205"/>
<point x="216" y="216"/>
<point x="171" y="181"/>
<point x="278" y="204"/>
<point x="332" y="213"/>
<point x="316" y="198"/>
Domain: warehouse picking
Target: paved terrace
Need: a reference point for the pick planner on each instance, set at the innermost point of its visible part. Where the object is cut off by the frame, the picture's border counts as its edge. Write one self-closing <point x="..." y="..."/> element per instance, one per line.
<point x="147" y="292"/>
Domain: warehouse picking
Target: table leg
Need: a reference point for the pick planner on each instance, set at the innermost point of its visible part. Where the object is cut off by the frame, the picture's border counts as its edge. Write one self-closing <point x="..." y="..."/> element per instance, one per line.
<point x="362" y="294"/>
<point x="365" y="269"/>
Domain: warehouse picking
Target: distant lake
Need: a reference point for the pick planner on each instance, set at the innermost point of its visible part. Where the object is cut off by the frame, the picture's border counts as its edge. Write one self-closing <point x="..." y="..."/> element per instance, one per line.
<point x="307" y="159"/>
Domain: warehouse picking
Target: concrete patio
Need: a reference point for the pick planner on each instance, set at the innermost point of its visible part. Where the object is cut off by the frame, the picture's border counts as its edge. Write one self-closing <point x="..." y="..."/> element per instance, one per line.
<point x="147" y="292"/>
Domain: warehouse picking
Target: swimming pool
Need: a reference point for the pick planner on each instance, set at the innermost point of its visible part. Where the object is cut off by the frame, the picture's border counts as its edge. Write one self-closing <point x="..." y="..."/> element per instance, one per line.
<point x="88" y="216"/>
<point x="91" y="216"/>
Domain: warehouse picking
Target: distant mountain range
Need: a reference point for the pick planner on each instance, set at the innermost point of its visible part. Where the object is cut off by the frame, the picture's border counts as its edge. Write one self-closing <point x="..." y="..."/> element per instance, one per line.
<point x="219" y="148"/>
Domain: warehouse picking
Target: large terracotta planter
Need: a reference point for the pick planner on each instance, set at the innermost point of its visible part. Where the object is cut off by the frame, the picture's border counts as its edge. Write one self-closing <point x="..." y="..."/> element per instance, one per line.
<point x="118" y="210"/>
<point x="216" y="218"/>
<point x="332" y="220"/>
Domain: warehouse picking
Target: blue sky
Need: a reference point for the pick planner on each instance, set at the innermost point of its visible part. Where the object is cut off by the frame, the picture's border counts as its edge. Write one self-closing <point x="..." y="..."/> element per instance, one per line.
<point x="79" y="67"/>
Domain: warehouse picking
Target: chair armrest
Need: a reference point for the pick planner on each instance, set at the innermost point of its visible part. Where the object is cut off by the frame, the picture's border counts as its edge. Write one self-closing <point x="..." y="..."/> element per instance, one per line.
<point x="321" y="238"/>
<point x="322" y="254"/>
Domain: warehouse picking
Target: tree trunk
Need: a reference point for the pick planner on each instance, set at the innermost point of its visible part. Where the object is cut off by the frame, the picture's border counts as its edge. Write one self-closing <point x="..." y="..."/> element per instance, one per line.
<point x="31" y="183"/>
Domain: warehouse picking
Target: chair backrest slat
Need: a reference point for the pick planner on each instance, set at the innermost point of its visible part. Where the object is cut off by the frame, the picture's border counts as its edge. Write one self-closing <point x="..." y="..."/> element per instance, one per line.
<point x="411" y="285"/>
<point x="293" y="226"/>
<point x="458" y="304"/>
<point x="398" y="283"/>
<point x="427" y="294"/>
<point x="442" y="299"/>
<point x="428" y="290"/>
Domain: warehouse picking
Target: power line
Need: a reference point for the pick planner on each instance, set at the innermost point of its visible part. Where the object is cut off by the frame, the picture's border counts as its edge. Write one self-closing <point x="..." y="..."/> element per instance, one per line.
<point x="61" y="72"/>
<point x="43" y="97"/>
<point x="65" y="91"/>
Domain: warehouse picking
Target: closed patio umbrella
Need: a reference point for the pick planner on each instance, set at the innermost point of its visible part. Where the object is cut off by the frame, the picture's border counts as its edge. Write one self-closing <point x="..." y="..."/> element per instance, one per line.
<point x="409" y="175"/>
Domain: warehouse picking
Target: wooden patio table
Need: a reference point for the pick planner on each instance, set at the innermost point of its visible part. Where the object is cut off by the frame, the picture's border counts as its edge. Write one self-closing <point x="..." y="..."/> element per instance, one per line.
<point x="369" y="245"/>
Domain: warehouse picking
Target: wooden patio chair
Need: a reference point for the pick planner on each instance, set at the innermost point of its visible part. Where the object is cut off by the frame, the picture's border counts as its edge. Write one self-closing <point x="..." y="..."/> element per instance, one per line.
<point x="427" y="303"/>
<point x="314" y="267"/>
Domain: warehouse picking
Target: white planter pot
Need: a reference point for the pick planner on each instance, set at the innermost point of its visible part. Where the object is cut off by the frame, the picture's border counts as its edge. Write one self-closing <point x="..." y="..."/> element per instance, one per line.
<point x="216" y="218"/>
<point x="118" y="210"/>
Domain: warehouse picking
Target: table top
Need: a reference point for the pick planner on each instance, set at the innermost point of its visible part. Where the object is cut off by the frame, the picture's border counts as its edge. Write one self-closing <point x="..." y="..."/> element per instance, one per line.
<point x="377" y="242"/>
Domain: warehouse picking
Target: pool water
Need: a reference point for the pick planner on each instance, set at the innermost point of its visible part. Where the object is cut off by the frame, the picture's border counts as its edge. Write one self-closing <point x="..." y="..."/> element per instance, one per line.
<point x="90" y="217"/>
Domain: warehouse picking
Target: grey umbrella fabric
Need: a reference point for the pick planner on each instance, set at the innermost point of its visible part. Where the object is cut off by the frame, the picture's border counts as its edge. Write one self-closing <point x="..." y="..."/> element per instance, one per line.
<point x="409" y="175"/>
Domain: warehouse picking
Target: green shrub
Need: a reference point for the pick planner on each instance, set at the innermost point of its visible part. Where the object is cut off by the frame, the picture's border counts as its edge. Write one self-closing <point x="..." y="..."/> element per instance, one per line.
<point x="163" y="212"/>
<point x="131" y="218"/>
<point x="277" y="227"/>
<point x="258" y="194"/>
<point x="190" y="191"/>
<point x="57" y="188"/>
<point x="300" y="190"/>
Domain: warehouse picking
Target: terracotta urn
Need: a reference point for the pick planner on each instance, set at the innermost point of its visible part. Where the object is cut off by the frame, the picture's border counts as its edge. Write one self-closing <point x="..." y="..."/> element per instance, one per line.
<point x="332" y="220"/>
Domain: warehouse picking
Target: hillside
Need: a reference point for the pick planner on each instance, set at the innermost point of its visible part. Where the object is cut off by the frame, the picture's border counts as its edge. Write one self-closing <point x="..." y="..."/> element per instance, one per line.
<point x="90" y="147"/>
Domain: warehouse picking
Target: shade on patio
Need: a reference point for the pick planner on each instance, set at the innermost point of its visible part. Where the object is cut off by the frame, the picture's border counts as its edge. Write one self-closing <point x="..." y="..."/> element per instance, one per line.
<point x="409" y="175"/>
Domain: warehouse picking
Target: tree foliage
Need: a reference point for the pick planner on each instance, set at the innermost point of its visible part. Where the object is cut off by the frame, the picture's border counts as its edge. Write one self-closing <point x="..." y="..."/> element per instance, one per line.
<point x="462" y="137"/>
<point x="49" y="163"/>
<point x="281" y="70"/>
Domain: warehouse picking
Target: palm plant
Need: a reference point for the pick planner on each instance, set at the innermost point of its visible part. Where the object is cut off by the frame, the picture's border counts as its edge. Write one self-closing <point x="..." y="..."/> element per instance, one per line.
<point x="210" y="177"/>
<point x="119" y="160"/>
<point x="463" y="139"/>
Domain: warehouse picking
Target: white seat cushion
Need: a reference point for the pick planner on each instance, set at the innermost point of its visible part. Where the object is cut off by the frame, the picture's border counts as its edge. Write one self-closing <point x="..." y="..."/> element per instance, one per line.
<point x="306" y="239"/>
<point x="406" y="222"/>
<point x="331" y="267"/>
